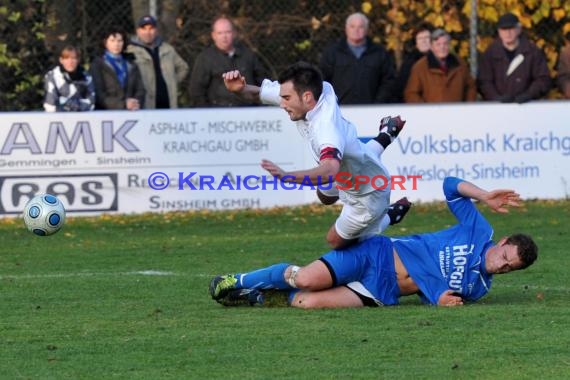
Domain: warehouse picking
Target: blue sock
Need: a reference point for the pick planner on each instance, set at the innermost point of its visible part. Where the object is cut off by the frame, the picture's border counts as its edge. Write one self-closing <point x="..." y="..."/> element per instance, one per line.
<point x="266" y="278"/>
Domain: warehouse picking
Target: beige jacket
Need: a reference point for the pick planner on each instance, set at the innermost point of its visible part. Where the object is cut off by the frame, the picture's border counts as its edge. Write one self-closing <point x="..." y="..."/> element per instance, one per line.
<point x="174" y="70"/>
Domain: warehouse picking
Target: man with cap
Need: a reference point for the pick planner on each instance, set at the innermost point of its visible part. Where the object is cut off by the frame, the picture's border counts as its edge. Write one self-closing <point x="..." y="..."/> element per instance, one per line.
<point x="161" y="67"/>
<point x="513" y="69"/>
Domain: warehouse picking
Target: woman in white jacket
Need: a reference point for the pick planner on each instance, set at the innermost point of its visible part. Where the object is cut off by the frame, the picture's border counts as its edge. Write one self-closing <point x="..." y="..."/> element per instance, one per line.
<point x="67" y="86"/>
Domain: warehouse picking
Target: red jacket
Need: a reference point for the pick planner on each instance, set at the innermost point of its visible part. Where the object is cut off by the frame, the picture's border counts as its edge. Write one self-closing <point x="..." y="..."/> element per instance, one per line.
<point x="429" y="84"/>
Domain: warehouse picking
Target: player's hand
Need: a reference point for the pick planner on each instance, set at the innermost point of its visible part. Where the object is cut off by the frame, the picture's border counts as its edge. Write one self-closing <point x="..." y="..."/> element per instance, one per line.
<point x="450" y="298"/>
<point x="273" y="169"/>
<point x="234" y="81"/>
<point x="499" y="200"/>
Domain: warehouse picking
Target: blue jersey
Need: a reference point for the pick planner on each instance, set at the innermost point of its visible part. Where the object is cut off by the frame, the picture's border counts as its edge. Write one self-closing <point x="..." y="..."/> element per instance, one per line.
<point x="450" y="259"/>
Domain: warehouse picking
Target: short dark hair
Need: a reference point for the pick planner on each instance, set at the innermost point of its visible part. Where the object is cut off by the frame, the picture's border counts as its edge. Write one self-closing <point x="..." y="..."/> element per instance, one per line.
<point x="423" y="27"/>
<point x="305" y="77"/>
<point x="113" y="31"/>
<point x="526" y="248"/>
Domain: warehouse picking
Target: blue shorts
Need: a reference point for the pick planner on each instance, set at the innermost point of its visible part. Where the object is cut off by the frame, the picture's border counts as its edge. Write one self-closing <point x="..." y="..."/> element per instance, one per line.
<point x="369" y="263"/>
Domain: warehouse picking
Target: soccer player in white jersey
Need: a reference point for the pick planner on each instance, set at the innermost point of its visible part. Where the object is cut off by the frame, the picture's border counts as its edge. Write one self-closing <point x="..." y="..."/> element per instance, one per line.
<point x="312" y="104"/>
<point x="446" y="267"/>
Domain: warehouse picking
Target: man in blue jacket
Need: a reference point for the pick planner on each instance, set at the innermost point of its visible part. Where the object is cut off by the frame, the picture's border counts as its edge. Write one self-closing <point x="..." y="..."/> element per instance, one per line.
<point x="444" y="268"/>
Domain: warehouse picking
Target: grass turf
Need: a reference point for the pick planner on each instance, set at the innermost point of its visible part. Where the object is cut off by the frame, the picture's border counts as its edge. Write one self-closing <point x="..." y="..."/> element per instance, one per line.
<point x="126" y="297"/>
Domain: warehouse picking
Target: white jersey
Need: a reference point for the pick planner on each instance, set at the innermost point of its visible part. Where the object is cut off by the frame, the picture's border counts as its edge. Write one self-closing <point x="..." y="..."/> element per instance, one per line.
<point x="326" y="128"/>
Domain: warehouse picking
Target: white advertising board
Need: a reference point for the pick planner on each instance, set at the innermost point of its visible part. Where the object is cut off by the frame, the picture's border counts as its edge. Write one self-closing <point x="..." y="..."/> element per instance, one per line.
<point x="119" y="162"/>
<point x="524" y="147"/>
<point x="103" y="161"/>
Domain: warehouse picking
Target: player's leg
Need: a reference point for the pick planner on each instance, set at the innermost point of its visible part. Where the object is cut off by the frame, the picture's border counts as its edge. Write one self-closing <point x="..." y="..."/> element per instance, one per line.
<point x="337" y="297"/>
<point x="366" y="216"/>
<point x="350" y="266"/>
<point x="279" y="276"/>
<point x="337" y="241"/>
<point x="329" y="298"/>
<point x="384" y="214"/>
<point x="268" y="277"/>
<point x="353" y="219"/>
<point x="398" y="210"/>
<point x="390" y="128"/>
<point x="315" y="276"/>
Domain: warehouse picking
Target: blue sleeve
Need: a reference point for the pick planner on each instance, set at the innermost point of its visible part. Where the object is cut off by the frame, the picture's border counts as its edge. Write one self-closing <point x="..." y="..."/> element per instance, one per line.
<point x="450" y="185"/>
<point x="434" y="287"/>
<point x="462" y="207"/>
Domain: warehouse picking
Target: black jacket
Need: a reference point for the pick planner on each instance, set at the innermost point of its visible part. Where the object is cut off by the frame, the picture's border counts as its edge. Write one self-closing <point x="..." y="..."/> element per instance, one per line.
<point x="404" y="74"/>
<point x="206" y="84"/>
<point x="530" y="80"/>
<point x="368" y="79"/>
<point x="108" y="91"/>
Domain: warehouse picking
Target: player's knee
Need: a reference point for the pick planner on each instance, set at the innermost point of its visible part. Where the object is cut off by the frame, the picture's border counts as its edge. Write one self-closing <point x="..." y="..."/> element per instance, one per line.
<point x="304" y="300"/>
<point x="336" y="242"/>
<point x="299" y="279"/>
<point x="303" y="281"/>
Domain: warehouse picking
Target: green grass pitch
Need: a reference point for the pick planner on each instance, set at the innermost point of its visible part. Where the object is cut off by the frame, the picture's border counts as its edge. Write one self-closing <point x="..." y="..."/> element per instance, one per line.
<point x="125" y="297"/>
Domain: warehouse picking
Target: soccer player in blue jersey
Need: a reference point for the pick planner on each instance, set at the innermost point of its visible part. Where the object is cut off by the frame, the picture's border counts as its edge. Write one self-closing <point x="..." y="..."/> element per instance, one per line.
<point x="447" y="267"/>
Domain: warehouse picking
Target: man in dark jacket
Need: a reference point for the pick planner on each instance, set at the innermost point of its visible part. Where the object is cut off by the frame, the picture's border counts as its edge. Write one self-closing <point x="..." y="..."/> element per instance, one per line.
<point x="207" y="87"/>
<point x="513" y="69"/>
<point x="360" y="71"/>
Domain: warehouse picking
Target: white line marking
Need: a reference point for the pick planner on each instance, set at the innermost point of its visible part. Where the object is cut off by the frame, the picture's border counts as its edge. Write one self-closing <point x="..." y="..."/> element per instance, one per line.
<point x="151" y="272"/>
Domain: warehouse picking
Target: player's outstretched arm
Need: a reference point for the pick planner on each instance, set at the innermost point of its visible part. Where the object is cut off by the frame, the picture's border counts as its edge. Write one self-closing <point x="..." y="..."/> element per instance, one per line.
<point x="319" y="175"/>
<point x="235" y="82"/>
<point x="497" y="200"/>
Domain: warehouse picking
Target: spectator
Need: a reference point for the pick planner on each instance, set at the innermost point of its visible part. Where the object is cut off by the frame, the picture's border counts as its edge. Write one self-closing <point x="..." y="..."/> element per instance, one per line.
<point x="160" y="65"/>
<point x="206" y="83"/>
<point x="563" y="68"/>
<point x="513" y="69"/>
<point x="422" y="36"/>
<point x="360" y="71"/>
<point x="440" y="76"/>
<point x="67" y="86"/>
<point x="118" y="82"/>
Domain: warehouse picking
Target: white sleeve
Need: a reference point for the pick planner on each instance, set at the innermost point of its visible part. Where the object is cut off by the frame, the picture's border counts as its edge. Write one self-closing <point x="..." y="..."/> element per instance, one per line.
<point x="269" y="92"/>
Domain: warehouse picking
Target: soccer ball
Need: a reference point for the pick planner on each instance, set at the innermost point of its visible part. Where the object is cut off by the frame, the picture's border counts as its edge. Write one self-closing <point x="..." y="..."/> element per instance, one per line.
<point x="44" y="215"/>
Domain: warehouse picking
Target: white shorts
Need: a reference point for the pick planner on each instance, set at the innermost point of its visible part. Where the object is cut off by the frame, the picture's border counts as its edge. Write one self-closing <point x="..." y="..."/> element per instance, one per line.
<point x="361" y="216"/>
<point x="367" y="298"/>
<point x="332" y="192"/>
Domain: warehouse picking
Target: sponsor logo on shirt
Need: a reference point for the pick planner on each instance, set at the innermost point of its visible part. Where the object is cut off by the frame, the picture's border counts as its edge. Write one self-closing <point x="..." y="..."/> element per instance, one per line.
<point x="454" y="258"/>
